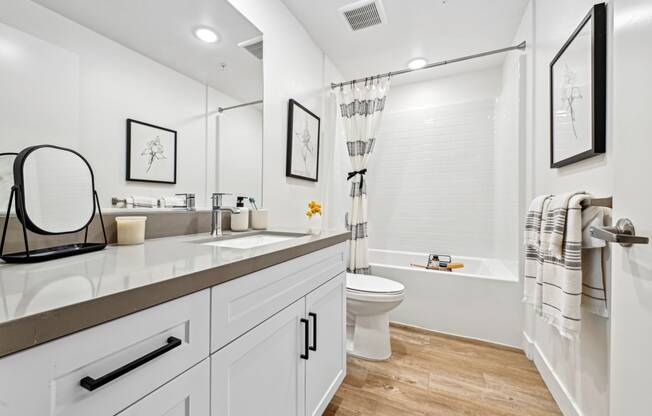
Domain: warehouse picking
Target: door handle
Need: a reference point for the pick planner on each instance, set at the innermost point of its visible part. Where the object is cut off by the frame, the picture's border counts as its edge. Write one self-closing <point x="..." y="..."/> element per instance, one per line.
<point x="306" y="341"/>
<point x="622" y="233"/>
<point x="314" y="331"/>
<point x="90" y="383"/>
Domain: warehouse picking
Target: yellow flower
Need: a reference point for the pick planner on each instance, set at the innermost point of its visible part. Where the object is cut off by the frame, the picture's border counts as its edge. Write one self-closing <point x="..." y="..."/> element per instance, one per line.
<point x="312" y="204"/>
<point x="309" y="213"/>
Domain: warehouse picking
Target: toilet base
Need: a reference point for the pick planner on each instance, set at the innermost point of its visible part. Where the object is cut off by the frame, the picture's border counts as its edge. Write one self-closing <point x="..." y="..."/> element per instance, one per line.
<point x="368" y="337"/>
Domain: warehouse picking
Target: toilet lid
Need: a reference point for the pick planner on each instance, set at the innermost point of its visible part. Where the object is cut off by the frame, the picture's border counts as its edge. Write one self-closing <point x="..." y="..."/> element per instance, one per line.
<point x="372" y="284"/>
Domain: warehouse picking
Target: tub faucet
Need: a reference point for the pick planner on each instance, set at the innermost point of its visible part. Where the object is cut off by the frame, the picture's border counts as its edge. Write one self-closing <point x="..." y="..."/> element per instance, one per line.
<point x="216" y="224"/>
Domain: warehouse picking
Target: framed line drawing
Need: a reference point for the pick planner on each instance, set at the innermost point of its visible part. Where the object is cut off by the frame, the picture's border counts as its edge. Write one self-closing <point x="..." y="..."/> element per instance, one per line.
<point x="151" y="153"/>
<point x="303" y="143"/>
<point x="578" y="83"/>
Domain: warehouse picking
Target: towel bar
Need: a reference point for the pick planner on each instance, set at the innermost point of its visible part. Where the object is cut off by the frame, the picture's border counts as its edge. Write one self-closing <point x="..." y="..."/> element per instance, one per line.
<point x="598" y="202"/>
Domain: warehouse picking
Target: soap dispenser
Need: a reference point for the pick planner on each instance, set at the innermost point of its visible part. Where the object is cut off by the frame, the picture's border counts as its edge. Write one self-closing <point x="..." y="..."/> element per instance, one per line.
<point x="240" y="221"/>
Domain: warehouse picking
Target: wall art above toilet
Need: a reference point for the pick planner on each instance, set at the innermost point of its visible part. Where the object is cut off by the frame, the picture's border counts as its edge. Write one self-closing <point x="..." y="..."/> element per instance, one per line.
<point x="303" y="143"/>
<point x="151" y="153"/>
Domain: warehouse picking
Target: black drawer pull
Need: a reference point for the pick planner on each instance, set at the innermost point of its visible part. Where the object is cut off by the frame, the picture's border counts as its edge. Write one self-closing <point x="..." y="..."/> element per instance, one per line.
<point x="314" y="331"/>
<point x="306" y="341"/>
<point x="90" y="383"/>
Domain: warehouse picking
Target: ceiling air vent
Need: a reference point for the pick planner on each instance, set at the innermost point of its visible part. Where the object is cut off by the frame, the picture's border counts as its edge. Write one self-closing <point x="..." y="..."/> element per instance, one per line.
<point x="254" y="46"/>
<point x="364" y="14"/>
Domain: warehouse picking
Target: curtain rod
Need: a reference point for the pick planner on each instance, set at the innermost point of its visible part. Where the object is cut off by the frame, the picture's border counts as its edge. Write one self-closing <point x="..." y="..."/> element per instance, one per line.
<point x="520" y="46"/>
<point x="223" y="109"/>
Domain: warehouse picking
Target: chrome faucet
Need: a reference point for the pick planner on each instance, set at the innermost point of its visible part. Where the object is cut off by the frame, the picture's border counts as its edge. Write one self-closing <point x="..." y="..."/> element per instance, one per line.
<point x="216" y="225"/>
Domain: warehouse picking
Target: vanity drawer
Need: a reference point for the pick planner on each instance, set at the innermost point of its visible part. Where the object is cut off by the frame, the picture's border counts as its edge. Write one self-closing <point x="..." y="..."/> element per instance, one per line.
<point x="46" y="380"/>
<point x="241" y="304"/>
<point x="186" y="395"/>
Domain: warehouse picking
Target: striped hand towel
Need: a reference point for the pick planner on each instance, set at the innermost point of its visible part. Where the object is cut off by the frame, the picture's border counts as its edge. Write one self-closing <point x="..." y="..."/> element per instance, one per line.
<point x="533" y="228"/>
<point x="533" y="221"/>
<point x="561" y="281"/>
<point x="552" y="236"/>
<point x="565" y="269"/>
<point x="594" y="258"/>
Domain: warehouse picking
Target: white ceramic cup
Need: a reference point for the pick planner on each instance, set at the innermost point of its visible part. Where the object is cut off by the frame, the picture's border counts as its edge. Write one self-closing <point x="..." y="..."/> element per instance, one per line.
<point x="259" y="219"/>
<point x="131" y="230"/>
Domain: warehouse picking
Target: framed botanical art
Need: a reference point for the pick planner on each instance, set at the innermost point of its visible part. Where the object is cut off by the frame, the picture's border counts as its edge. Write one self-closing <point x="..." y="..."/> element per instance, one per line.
<point x="151" y="153"/>
<point x="578" y="87"/>
<point x="303" y="143"/>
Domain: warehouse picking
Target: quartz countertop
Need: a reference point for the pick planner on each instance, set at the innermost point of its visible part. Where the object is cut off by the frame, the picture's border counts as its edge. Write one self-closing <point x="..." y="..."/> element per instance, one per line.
<point x="43" y="301"/>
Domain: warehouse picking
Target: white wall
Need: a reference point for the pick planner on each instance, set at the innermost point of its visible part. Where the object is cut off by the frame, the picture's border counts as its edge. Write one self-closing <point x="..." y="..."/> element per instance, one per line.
<point x="576" y="372"/>
<point x="294" y="68"/>
<point x="71" y="86"/>
<point x="234" y="146"/>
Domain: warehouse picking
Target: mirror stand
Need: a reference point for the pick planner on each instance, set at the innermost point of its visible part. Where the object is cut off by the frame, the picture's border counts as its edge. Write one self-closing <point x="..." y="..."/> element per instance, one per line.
<point x="49" y="253"/>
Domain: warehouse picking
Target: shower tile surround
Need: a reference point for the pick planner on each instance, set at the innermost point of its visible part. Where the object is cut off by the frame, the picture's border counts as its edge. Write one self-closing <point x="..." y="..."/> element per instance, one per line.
<point x="441" y="178"/>
<point x="432" y="167"/>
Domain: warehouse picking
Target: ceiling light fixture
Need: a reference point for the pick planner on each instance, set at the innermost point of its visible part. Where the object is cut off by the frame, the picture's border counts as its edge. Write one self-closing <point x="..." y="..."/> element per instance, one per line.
<point x="417" y="63"/>
<point x="207" y="35"/>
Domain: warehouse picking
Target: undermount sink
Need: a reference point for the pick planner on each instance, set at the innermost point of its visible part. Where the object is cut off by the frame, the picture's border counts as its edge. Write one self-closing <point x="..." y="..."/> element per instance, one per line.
<point x="250" y="241"/>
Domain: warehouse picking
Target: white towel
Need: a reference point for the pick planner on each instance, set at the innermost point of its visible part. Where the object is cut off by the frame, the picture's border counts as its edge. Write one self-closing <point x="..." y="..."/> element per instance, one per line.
<point x="533" y="221"/>
<point x="142" y="201"/>
<point x="533" y="228"/>
<point x="552" y="236"/>
<point x="564" y="265"/>
<point x="561" y="281"/>
<point x="594" y="294"/>
<point x="173" y="202"/>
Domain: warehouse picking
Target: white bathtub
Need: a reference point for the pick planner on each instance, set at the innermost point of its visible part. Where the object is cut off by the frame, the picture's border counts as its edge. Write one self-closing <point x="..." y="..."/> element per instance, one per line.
<point x="481" y="301"/>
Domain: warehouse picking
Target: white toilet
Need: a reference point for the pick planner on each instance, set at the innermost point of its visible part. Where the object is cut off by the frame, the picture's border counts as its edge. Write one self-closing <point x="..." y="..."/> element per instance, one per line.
<point x="369" y="299"/>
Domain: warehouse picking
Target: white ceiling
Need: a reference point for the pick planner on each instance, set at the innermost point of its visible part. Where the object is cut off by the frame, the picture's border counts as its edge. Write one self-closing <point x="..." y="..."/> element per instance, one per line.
<point x="163" y="31"/>
<point x="433" y="29"/>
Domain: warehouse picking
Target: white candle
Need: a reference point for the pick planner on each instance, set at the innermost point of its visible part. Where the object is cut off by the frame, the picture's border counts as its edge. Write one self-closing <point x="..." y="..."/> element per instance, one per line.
<point x="131" y="230"/>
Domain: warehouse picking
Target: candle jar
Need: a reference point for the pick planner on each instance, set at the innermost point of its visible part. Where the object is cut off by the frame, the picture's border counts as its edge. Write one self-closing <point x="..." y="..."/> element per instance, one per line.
<point x="131" y="230"/>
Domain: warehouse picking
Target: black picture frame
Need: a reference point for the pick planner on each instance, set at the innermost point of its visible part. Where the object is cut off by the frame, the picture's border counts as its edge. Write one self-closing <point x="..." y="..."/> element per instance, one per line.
<point x="129" y="174"/>
<point x="597" y="18"/>
<point x="293" y="106"/>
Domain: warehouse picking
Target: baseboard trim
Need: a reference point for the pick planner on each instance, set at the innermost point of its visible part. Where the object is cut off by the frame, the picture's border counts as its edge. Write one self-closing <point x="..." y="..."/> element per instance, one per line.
<point x="455" y="336"/>
<point x="566" y="404"/>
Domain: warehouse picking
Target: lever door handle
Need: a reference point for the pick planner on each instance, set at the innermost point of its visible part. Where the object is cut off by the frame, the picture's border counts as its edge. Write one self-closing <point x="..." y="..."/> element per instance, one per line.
<point x="622" y="233"/>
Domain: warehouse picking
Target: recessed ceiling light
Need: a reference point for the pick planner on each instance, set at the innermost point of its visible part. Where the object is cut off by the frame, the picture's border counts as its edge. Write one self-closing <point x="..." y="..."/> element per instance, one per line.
<point x="417" y="63"/>
<point x="207" y="35"/>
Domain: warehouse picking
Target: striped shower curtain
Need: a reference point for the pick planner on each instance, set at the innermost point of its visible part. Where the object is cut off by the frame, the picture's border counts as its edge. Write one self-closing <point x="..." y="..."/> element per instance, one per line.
<point x="361" y="108"/>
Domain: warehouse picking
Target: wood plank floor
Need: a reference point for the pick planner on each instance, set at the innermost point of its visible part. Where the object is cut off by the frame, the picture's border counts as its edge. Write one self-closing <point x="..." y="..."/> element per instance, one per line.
<point x="435" y="374"/>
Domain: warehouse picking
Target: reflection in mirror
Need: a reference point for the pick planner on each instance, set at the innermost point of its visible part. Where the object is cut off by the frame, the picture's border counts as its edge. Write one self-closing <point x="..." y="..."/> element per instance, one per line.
<point x="168" y="63"/>
<point x="6" y="179"/>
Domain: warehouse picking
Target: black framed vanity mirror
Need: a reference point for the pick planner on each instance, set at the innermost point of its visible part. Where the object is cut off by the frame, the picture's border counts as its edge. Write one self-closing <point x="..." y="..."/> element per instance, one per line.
<point x="54" y="193"/>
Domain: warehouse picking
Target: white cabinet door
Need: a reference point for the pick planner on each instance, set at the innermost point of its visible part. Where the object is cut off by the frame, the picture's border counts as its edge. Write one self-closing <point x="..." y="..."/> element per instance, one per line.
<point x="186" y="395"/>
<point x="326" y="366"/>
<point x="261" y="373"/>
<point x="239" y="305"/>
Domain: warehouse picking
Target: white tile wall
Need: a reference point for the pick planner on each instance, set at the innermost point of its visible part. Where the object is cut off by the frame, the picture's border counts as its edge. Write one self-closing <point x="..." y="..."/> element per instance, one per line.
<point x="431" y="180"/>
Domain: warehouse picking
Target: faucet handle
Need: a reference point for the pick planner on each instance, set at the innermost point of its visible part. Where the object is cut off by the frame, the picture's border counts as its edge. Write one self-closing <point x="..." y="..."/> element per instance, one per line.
<point x="217" y="198"/>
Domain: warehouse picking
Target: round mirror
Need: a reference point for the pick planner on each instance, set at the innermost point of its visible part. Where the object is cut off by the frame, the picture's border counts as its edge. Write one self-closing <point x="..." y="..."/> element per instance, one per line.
<point x="6" y="179"/>
<point x="56" y="190"/>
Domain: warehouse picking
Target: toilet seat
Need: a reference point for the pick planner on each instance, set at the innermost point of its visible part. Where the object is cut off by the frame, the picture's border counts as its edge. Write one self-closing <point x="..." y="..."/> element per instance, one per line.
<point x="373" y="288"/>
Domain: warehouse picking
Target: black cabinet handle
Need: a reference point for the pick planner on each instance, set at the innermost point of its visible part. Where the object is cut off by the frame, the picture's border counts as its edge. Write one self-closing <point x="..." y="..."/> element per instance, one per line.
<point x="314" y="331"/>
<point x="306" y="353"/>
<point x="90" y="383"/>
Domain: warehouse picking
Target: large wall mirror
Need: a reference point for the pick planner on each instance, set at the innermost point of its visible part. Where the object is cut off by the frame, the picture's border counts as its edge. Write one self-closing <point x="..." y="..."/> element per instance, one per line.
<point x="72" y="72"/>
